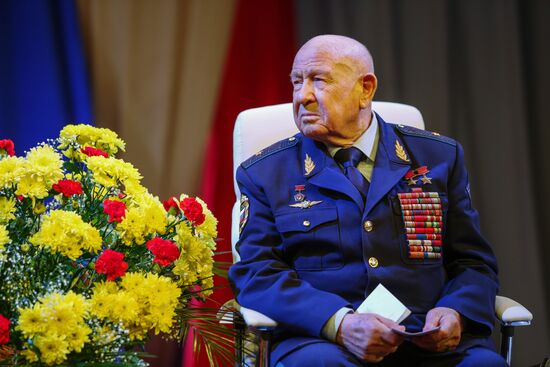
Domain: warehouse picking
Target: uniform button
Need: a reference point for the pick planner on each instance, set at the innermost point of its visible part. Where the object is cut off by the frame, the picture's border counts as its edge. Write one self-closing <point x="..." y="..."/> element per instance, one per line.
<point x="373" y="262"/>
<point x="306" y="223"/>
<point x="291" y="138"/>
<point x="368" y="225"/>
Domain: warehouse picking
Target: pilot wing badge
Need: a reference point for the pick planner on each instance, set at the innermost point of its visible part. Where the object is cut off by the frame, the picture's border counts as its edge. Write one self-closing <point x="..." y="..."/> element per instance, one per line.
<point x="300" y="198"/>
<point x="306" y="204"/>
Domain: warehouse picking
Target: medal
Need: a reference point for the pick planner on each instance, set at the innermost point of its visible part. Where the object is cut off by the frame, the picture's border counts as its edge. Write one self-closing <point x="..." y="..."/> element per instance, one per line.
<point x="299" y="196"/>
<point x="413" y="175"/>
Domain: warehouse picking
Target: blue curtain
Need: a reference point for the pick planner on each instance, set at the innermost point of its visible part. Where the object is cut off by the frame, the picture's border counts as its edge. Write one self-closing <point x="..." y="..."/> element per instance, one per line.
<point x="43" y="76"/>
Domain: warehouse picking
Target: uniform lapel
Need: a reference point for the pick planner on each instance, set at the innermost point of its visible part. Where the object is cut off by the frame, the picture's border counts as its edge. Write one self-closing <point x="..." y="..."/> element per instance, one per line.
<point x="389" y="165"/>
<point x="322" y="171"/>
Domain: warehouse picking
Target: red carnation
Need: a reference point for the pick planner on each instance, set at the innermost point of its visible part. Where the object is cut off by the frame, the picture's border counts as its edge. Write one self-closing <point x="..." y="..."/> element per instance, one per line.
<point x="116" y="210"/>
<point x="166" y="252"/>
<point x="94" y="152"/>
<point x="7" y="146"/>
<point x="68" y="187"/>
<point x="171" y="206"/>
<point x="4" y="330"/>
<point x="192" y="210"/>
<point x="112" y="264"/>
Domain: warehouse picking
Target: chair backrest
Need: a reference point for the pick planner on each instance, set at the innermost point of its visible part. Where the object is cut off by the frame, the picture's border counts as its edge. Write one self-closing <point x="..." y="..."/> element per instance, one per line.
<point x="258" y="128"/>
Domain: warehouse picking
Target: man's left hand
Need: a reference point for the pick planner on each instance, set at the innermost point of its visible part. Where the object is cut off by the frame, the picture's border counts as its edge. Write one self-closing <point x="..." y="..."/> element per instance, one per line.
<point x="448" y="335"/>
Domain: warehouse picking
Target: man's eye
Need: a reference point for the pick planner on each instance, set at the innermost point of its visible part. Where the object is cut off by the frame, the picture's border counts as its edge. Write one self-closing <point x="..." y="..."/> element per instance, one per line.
<point x="319" y="79"/>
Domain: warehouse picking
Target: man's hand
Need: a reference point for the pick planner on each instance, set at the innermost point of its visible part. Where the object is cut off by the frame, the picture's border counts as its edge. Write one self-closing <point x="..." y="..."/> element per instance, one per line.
<point x="447" y="337"/>
<point x="368" y="336"/>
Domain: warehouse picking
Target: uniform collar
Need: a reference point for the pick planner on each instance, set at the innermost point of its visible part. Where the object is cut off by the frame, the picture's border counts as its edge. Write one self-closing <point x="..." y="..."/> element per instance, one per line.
<point x="365" y="143"/>
<point x="391" y="163"/>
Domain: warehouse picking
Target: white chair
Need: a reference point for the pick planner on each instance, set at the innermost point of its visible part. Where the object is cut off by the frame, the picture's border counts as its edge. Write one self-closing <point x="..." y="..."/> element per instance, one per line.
<point x="258" y="128"/>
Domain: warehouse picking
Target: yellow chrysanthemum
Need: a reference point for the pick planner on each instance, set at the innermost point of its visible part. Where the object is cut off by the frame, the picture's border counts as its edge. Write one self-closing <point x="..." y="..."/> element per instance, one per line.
<point x="79" y="305"/>
<point x="4" y="236"/>
<point x="112" y="173"/>
<point x="184" y="233"/>
<point x="132" y="281"/>
<point x="126" y="307"/>
<point x="85" y="135"/>
<point x="208" y="229"/>
<point x="32" y="320"/>
<point x="101" y="304"/>
<point x="53" y="348"/>
<point x="195" y="263"/>
<point x="41" y="169"/>
<point x="79" y="336"/>
<point x="56" y="326"/>
<point x="10" y="171"/>
<point x="66" y="233"/>
<point x="157" y="297"/>
<point x="109" y="301"/>
<point x="29" y="354"/>
<point x="145" y="217"/>
<point x="143" y="302"/>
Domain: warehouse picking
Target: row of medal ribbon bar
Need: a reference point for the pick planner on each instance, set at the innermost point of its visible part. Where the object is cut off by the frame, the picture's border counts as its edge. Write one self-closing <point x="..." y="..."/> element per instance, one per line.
<point x="423" y="218"/>
<point x="424" y="236"/>
<point x="421" y="207"/>
<point x="424" y="248"/>
<point x="431" y="243"/>
<point x="414" y="195"/>
<point x="420" y="201"/>
<point x="424" y="255"/>
<point x="411" y="224"/>
<point x="422" y="212"/>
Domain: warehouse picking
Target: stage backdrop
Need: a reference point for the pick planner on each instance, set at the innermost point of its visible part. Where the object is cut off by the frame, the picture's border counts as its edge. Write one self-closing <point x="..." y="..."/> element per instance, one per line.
<point x="477" y="70"/>
<point x="43" y="77"/>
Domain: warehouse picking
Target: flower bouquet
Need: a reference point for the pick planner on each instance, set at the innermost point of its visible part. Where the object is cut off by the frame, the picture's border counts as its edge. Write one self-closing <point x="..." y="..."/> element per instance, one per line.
<point x="90" y="262"/>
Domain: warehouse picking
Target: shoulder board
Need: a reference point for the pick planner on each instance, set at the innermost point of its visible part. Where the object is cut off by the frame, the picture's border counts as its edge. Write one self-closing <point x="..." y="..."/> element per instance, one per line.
<point x="413" y="131"/>
<point x="272" y="149"/>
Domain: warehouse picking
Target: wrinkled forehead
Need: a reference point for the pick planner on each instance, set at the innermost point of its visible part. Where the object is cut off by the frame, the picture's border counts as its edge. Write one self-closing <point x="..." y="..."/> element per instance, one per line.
<point x="321" y="59"/>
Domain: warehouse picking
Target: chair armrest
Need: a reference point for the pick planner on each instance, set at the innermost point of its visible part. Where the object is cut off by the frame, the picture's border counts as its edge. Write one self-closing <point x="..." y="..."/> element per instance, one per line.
<point x="253" y="319"/>
<point x="257" y="320"/>
<point x="510" y="312"/>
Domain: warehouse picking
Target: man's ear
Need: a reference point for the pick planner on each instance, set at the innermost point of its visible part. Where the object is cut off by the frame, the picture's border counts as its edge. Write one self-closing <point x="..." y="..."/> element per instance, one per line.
<point x="369" y="84"/>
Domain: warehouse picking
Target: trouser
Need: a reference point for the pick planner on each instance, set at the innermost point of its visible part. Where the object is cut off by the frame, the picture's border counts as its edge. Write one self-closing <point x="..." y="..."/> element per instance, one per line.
<point x="326" y="354"/>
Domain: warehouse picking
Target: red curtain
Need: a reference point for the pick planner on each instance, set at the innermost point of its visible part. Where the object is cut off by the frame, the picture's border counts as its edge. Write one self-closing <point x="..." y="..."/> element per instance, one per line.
<point x="257" y="68"/>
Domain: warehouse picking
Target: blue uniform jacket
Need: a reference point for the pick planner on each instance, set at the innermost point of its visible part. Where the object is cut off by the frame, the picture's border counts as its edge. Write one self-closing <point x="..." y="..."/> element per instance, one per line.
<point x="300" y="265"/>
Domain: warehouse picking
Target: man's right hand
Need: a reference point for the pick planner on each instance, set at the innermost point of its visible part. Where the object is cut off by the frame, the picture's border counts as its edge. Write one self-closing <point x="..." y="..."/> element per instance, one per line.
<point x="369" y="336"/>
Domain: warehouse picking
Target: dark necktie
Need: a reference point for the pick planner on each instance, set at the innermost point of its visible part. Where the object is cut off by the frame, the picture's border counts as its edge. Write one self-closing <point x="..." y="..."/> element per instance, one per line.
<point x="350" y="158"/>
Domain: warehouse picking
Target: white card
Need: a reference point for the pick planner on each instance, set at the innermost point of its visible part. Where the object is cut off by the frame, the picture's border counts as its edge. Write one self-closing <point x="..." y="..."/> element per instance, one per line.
<point x="382" y="302"/>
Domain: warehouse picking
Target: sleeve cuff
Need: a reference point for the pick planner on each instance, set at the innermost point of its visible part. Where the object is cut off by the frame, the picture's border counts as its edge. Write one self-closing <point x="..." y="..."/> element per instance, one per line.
<point x="333" y="324"/>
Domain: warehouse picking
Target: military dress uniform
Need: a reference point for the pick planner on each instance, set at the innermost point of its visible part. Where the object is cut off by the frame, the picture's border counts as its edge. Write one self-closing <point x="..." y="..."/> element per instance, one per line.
<point x="310" y="245"/>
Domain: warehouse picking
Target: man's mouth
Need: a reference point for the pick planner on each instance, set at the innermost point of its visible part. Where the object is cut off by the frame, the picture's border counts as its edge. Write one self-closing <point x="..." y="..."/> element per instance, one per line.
<point x="309" y="116"/>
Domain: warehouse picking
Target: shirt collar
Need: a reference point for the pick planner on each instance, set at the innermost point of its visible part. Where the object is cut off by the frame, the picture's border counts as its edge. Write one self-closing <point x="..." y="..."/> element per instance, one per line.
<point x="364" y="143"/>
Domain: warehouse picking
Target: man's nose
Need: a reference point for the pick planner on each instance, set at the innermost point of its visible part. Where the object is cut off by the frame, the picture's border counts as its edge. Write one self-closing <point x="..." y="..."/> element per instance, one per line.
<point x="305" y="94"/>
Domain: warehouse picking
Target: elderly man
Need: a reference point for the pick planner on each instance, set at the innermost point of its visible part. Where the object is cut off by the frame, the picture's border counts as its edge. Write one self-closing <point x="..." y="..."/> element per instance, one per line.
<point x="352" y="202"/>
